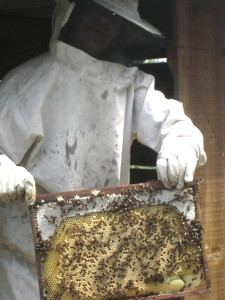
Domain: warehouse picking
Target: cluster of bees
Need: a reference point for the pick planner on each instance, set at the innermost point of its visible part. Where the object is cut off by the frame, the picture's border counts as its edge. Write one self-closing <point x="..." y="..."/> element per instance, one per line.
<point x="129" y="249"/>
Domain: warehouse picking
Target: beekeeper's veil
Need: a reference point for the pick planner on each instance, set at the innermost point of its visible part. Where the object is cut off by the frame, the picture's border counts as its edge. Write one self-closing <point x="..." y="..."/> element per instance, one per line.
<point x="136" y="39"/>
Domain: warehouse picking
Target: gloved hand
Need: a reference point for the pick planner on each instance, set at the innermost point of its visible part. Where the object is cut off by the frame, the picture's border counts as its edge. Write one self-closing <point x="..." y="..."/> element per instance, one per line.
<point x="176" y="164"/>
<point x="15" y="182"/>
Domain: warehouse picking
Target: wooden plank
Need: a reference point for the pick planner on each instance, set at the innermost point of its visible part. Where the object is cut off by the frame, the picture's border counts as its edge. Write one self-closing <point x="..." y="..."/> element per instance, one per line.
<point x="200" y="77"/>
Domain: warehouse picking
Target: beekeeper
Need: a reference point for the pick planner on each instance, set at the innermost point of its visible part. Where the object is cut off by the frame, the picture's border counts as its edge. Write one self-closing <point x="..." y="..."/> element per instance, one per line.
<point x="68" y="118"/>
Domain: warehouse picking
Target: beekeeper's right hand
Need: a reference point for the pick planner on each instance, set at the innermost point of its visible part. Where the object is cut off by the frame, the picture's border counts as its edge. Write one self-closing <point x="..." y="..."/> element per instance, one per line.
<point x="16" y="183"/>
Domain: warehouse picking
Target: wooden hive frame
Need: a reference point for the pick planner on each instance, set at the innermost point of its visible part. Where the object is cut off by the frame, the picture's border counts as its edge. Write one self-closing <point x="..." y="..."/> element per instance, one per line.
<point x="152" y="186"/>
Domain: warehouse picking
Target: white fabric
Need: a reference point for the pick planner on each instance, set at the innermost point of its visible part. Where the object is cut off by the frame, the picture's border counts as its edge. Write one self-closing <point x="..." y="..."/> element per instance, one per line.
<point x="69" y="119"/>
<point x="15" y="182"/>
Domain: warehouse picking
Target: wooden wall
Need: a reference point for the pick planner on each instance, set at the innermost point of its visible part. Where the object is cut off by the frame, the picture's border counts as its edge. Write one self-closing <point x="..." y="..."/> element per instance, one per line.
<point x="200" y="84"/>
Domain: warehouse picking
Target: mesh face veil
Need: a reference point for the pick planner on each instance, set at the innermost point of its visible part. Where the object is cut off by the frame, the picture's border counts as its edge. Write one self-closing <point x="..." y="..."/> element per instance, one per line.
<point x="115" y="26"/>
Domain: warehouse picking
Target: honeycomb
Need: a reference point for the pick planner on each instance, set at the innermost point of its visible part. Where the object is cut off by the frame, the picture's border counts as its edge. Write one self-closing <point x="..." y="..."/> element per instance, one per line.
<point x="133" y="244"/>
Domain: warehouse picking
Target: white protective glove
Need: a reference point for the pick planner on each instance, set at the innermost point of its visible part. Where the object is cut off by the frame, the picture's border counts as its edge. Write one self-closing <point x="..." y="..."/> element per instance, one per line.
<point x="176" y="164"/>
<point x="15" y="182"/>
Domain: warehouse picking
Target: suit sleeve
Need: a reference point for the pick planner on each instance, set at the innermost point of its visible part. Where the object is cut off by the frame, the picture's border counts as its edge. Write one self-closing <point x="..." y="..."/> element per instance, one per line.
<point x="159" y="122"/>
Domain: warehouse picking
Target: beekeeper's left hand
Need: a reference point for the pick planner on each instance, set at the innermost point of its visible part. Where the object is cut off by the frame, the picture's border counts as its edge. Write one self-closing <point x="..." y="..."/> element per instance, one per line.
<point x="176" y="164"/>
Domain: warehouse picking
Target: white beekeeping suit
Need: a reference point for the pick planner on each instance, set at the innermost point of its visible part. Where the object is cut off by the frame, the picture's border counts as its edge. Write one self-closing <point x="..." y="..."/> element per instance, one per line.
<point x="69" y="119"/>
